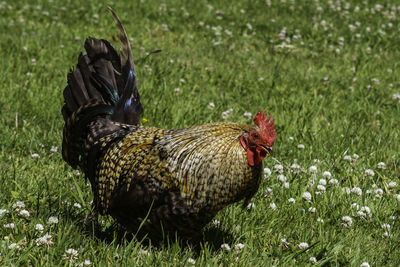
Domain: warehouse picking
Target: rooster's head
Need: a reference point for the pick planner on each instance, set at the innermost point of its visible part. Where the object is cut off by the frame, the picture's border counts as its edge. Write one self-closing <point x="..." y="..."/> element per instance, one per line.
<point x="258" y="143"/>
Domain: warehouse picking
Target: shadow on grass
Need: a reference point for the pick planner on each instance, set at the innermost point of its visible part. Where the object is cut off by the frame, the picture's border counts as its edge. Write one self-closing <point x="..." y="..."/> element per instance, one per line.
<point x="210" y="237"/>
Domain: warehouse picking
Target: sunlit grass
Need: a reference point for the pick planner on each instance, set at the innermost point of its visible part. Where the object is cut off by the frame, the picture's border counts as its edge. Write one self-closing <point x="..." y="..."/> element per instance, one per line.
<point x="328" y="72"/>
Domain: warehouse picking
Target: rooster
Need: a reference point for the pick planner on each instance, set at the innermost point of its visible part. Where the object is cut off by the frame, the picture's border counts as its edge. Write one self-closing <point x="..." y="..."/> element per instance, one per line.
<point x="159" y="180"/>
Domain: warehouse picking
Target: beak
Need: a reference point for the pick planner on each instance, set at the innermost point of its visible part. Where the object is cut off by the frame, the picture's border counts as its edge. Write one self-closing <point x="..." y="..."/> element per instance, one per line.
<point x="269" y="150"/>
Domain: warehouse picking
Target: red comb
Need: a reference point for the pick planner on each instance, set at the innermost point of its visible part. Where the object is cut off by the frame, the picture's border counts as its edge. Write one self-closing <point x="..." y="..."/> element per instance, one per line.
<point x="266" y="125"/>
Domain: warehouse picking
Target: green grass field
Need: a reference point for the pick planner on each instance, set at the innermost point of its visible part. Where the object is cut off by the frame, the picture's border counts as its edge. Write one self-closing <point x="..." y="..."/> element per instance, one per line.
<point x="328" y="71"/>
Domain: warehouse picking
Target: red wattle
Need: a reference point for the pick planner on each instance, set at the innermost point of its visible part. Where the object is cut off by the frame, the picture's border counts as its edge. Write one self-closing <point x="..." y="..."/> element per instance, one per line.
<point x="250" y="157"/>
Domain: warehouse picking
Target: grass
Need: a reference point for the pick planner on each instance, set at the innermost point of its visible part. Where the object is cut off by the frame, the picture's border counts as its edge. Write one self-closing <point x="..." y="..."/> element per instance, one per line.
<point x="329" y="73"/>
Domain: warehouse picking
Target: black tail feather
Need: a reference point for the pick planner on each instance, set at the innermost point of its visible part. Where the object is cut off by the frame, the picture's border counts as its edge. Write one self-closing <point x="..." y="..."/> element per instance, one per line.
<point x="106" y="89"/>
<point x="103" y="89"/>
<point x="129" y="106"/>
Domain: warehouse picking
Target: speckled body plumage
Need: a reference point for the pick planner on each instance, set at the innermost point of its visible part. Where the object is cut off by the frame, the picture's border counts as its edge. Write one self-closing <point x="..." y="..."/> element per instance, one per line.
<point x="165" y="181"/>
<point x="192" y="172"/>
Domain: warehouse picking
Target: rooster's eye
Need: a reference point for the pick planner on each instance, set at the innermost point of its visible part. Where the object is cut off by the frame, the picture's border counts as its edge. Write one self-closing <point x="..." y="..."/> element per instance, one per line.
<point x="255" y="136"/>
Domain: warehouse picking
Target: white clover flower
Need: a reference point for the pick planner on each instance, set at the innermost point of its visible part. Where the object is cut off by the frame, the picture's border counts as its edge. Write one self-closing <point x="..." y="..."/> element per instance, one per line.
<point x="284" y="243"/>
<point x="44" y="240"/>
<point x="347" y="221"/>
<point x="35" y="155"/>
<point x="381" y="165"/>
<point x="396" y="96"/>
<point x="227" y="113"/>
<point x="320" y="220"/>
<point x="228" y="32"/>
<point x="39" y="227"/>
<point x="239" y="247"/>
<point x="356" y="190"/>
<point x="313" y="259"/>
<point x="295" y="168"/>
<point x="267" y="172"/>
<point x="378" y="193"/>
<point x="392" y="184"/>
<point x="300" y="146"/>
<point x="378" y="8"/>
<point x="352" y="27"/>
<point x="303" y="245"/>
<point x="291" y="138"/>
<point x="286" y="185"/>
<point x="312" y="169"/>
<point x="307" y="196"/>
<point x="177" y="90"/>
<point x="355" y="205"/>
<point x="366" y="209"/>
<point x="268" y="192"/>
<point x="272" y="206"/>
<point x="216" y="223"/>
<point x="9" y="225"/>
<point x="211" y="106"/>
<point x="226" y="247"/>
<point x="71" y="255"/>
<point x="247" y="116"/>
<point x="312" y="209"/>
<point x="364" y="212"/>
<point x="87" y="262"/>
<point x="191" y="261"/>
<point x="251" y="205"/>
<point x="77" y="205"/>
<point x="14" y="246"/>
<point x="355" y="157"/>
<point x="18" y="205"/>
<point x="54" y="149"/>
<point x="361" y="214"/>
<point x="327" y="174"/>
<point x="2" y="212"/>
<point x="24" y="213"/>
<point x="52" y="220"/>
<point x="386" y="227"/>
<point x="164" y="27"/>
<point x="321" y="189"/>
<point x="369" y="172"/>
<point x="281" y="178"/>
<point x="347" y="157"/>
<point x="375" y="80"/>
<point x="386" y="234"/>
<point x="322" y="182"/>
<point x="292" y="200"/>
<point x="278" y="168"/>
<point x="398" y="197"/>
<point x="364" y="264"/>
<point x="346" y="190"/>
<point x="333" y="182"/>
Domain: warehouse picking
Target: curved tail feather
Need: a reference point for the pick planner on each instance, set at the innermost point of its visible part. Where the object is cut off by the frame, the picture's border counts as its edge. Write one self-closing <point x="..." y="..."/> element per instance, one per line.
<point x="100" y="95"/>
<point x="129" y="108"/>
